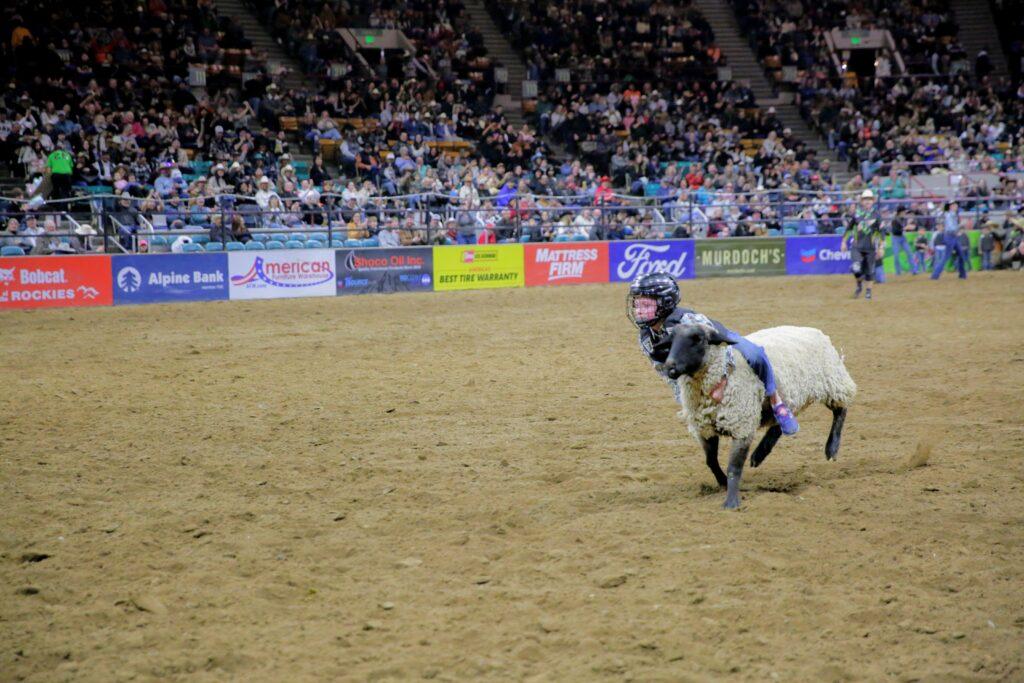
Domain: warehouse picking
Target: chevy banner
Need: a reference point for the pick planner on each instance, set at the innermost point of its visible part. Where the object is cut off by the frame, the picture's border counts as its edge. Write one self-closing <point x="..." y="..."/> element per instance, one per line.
<point x="478" y="266"/>
<point x="158" y="278"/>
<point x="287" y="273"/>
<point x="819" y="255"/>
<point x="373" y="271"/>
<point x="741" y="256"/>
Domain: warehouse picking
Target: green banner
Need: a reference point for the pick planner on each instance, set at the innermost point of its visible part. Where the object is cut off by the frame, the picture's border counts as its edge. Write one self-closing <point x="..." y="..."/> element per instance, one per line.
<point x="972" y="235"/>
<point x="741" y="256"/>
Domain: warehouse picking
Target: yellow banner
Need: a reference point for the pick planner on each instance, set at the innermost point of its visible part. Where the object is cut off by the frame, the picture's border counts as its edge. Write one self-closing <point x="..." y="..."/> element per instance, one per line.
<point x="482" y="266"/>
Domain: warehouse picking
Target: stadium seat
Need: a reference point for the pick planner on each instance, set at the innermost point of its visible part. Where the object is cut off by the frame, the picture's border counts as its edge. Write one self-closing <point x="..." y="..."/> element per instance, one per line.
<point x="298" y="236"/>
<point x="788" y="231"/>
<point x="236" y="246"/>
<point x="261" y="237"/>
<point x="214" y="246"/>
<point x="274" y="244"/>
<point x="773" y="232"/>
<point x="279" y="237"/>
<point x="191" y="248"/>
<point x="294" y="244"/>
<point x="371" y="242"/>
<point x="314" y="244"/>
<point x="12" y="251"/>
<point x="200" y="239"/>
<point x="158" y="240"/>
<point x="352" y="243"/>
<point x="337" y="244"/>
<point x="322" y="236"/>
<point x="524" y="238"/>
<point x="255" y="246"/>
<point x="561" y="238"/>
<point x="579" y="238"/>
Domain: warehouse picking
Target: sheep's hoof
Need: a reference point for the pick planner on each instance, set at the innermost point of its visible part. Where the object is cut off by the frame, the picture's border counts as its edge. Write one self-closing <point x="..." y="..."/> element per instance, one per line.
<point x="731" y="503"/>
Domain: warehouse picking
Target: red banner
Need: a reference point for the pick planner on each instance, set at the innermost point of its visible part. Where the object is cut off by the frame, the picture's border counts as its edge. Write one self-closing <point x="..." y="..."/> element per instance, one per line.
<point x="50" y="281"/>
<point x="566" y="263"/>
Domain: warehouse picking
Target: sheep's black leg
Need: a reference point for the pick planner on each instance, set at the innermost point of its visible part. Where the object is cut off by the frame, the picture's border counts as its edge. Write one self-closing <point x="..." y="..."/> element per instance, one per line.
<point x="766" y="445"/>
<point x="711" y="458"/>
<point x="740" y="447"/>
<point x="836" y="433"/>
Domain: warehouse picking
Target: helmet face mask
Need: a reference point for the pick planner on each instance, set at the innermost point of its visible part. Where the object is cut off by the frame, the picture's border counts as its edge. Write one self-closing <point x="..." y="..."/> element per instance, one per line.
<point x="651" y="298"/>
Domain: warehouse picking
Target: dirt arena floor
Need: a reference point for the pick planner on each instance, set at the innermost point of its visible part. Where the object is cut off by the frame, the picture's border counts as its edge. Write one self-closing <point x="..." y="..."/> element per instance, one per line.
<point x="494" y="486"/>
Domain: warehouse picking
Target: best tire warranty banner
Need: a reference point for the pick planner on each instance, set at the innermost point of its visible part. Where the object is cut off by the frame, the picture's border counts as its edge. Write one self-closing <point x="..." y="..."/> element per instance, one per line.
<point x="484" y="266"/>
<point x="566" y="263"/>
<point x="51" y="281"/>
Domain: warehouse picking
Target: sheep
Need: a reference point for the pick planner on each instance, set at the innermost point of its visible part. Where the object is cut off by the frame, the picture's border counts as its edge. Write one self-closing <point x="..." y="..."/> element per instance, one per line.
<point x="808" y="369"/>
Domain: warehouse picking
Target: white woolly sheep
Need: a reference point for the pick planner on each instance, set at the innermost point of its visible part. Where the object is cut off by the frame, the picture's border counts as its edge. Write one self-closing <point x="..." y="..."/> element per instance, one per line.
<point x="807" y="369"/>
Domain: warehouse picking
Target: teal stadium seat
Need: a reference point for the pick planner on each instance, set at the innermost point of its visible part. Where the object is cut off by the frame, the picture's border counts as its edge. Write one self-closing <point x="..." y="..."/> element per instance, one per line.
<point x="191" y="248"/>
<point x="274" y="244"/>
<point x="322" y="236"/>
<point x="158" y="241"/>
<point x="279" y="237"/>
<point x="200" y="239"/>
<point x="524" y="238"/>
<point x="261" y="237"/>
<point x="352" y="243"/>
<point x="580" y="238"/>
<point x="235" y="246"/>
<point x="773" y="232"/>
<point x="300" y="236"/>
<point x="314" y="244"/>
<point x="294" y="244"/>
<point x="337" y="244"/>
<point x="214" y="246"/>
<point x="256" y="246"/>
<point x="561" y="238"/>
<point x="12" y="250"/>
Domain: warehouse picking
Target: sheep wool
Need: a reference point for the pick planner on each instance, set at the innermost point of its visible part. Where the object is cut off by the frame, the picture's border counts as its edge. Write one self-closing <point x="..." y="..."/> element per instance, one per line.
<point x="807" y="367"/>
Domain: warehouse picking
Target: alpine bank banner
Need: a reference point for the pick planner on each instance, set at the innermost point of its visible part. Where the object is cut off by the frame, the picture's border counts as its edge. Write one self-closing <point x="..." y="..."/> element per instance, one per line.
<point x="627" y="260"/>
<point x="52" y="281"/>
<point x="566" y="263"/>
<point x="816" y="256"/>
<point x="162" y="278"/>
<point x="281" y="274"/>
<point x="374" y="271"/>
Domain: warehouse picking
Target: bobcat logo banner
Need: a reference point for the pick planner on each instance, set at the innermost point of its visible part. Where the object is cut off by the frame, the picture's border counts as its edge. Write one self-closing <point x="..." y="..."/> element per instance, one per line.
<point x="51" y="281"/>
<point x="159" y="278"/>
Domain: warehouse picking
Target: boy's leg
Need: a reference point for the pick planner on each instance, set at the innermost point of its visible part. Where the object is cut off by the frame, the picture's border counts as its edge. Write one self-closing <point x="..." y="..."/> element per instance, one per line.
<point x="758" y="361"/>
<point x="941" y="256"/>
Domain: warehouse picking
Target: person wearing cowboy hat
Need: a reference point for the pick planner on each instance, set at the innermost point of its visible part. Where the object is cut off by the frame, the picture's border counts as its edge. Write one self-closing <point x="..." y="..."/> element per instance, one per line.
<point x="865" y="240"/>
<point x="951" y="239"/>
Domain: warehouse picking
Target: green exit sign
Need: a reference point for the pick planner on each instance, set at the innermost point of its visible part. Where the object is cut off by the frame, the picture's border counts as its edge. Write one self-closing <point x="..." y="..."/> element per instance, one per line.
<point x="854" y="40"/>
<point x="370" y="40"/>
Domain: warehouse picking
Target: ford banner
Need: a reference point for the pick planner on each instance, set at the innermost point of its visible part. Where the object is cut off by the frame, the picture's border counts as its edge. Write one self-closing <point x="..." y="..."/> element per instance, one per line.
<point x="158" y="278"/>
<point x="372" y="271"/>
<point x="627" y="260"/>
<point x="819" y="255"/>
<point x="281" y="274"/>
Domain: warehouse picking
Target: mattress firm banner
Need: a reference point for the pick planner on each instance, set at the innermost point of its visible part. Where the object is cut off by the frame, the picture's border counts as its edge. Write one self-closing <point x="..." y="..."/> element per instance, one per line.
<point x="743" y="256"/>
<point x="51" y="281"/>
<point x="628" y="260"/>
<point x="281" y="274"/>
<point x="159" y="278"/>
<point x="565" y="263"/>
<point x="374" y="271"/>
<point x="816" y="256"/>
<point x="482" y="266"/>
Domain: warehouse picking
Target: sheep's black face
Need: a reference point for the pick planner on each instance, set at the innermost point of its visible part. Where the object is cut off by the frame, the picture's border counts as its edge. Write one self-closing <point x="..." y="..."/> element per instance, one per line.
<point x="689" y="345"/>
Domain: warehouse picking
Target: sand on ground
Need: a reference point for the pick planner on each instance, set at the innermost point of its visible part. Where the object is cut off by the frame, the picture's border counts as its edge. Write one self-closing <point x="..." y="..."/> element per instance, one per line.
<point x="495" y="486"/>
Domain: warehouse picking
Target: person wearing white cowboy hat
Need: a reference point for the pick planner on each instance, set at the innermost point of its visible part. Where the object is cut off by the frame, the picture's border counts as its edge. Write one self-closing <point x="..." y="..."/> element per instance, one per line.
<point x="865" y="238"/>
<point x="264" y="192"/>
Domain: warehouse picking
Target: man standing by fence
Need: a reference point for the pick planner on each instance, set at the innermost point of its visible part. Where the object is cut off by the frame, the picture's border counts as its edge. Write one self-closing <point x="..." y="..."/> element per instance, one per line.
<point x="899" y="243"/>
<point x="61" y="164"/>
<point x="950" y="228"/>
<point x="865" y="238"/>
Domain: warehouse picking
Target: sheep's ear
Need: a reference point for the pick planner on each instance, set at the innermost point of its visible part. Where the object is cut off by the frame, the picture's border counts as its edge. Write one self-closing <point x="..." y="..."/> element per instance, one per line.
<point x="714" y="337"/>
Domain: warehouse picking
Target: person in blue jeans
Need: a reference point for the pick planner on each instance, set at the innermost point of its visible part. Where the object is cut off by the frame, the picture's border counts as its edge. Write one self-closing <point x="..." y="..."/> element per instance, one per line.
<point x="900" y="244"/>
<point x="951" y="240"/>
<point x="653" y="306"/>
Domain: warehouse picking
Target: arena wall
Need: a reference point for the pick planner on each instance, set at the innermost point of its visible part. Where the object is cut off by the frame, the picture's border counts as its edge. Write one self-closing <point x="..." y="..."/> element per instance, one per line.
<point x="101" y="280"/>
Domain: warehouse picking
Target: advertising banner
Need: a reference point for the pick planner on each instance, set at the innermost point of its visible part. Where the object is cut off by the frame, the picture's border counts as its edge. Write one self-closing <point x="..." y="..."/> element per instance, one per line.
<point x="565" y="263"/>
<point x="816" y="256"/>
<point x="159" y="278"/>
<point x="373" y="271"/>
<point x="973" y="237"/>
<point x="478" y="266"/>
<point x="286" y="273"/>
<point x="51" y="281"/>
<point x="741" y="256"/>
<point x="627" y="260"/>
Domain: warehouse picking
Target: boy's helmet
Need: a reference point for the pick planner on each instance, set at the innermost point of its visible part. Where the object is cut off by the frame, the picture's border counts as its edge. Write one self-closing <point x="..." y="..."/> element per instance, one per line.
<point x="651" y="298"/>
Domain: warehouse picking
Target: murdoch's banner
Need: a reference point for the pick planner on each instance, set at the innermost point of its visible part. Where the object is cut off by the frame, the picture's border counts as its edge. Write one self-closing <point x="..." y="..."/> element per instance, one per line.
<point x="566" y="263"/>
<point x="374" y="271"/>
<point x="820" y="255"/>
<point x="627" y="260"/>
<point x="741" y="256"/>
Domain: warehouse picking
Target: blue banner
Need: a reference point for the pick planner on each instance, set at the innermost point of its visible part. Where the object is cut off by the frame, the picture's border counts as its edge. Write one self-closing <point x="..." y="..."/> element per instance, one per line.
<point x="627" y="260"/>
<point x="375" y="271"/>
<point x="819" y="255"/>
<point x="157" y="278"/>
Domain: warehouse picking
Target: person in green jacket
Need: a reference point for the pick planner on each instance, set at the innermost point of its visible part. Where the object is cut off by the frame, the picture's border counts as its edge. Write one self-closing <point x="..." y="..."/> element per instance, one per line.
<point x="61" y="164"/>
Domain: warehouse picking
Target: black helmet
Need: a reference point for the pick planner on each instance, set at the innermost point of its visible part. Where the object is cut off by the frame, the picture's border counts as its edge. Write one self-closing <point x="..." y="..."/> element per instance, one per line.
<point x="659" y="287"/>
